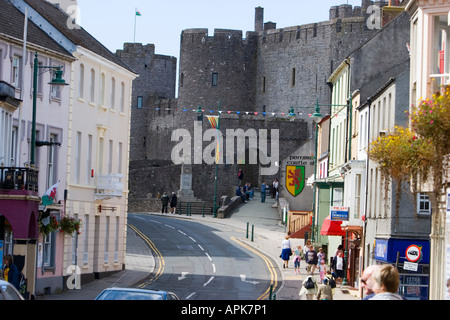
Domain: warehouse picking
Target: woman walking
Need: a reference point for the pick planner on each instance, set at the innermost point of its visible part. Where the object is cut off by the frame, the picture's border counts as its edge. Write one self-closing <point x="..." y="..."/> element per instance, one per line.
<point x="286" y="251"/>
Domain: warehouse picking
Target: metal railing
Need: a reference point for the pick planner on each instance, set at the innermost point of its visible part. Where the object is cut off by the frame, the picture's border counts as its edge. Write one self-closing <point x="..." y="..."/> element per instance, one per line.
<point x="16" y="178"/>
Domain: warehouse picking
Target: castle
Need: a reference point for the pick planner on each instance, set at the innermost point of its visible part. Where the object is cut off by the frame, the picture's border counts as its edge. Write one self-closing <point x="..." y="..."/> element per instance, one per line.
<point x="254" y="80"/>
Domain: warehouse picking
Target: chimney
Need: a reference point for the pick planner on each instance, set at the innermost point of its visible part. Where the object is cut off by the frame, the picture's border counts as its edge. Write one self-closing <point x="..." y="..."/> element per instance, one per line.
<point x="259" y="19"/>
<point x="389" y="12"/>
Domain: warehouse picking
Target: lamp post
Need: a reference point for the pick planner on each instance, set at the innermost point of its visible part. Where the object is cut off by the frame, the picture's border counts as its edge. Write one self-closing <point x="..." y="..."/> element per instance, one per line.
<point x="56" y="81"/>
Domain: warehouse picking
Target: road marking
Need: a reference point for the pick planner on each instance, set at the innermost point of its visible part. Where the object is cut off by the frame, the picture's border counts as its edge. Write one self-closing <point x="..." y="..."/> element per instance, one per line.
<point x="158" y="254"/>
<point x="210" y="279"/>
<point x="183" y="276"/>
<point x="169" y="226"/>
<point x="273" y="274"/>
<point x="214" y="268"/>
<point x="192" y="239"/>
<point x="182" y="232"/>
<point x="187" y="298"/>
<point x="201" y="247"/>
<point x="243" y="279"/>
<point x="208" y="256"/>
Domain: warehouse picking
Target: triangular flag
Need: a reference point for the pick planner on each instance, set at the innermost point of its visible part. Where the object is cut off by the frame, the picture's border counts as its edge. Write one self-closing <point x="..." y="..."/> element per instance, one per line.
<point x="50" y="195"/>
<point x="138" y="13"/>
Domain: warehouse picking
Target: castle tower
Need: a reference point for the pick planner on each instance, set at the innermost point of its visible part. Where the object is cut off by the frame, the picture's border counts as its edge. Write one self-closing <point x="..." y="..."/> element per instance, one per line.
<point x="259" y="19"/>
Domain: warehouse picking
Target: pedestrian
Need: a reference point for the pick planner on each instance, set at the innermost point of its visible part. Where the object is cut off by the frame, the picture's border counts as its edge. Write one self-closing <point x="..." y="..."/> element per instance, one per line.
<point x="320" y="257"/>
<point x="286" y="251"/>
<point x="10" y="271"/>
<point x="309" y="288"/>
<point x="274" y="188"/>
<point x="173" y="203"/>
<point x="386" y="280"/>
<point x="248" y="190"/>
<point x="240" y="176"/>
<point x="165" y="202"/>
<point x="367" y="281"/>
<point x="240" y="194"/>
<point x="298" y="253"/>
<point x="325" y="292"/>
<point x="263" y="192"/>
<point x="338" y="267"/>
<point x="311" y="260"/>
<point x="322" y="269"/>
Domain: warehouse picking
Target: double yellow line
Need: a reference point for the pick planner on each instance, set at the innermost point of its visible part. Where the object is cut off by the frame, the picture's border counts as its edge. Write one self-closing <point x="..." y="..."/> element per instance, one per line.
<point x="158" y="254"/>
<point x="273" y="274"/>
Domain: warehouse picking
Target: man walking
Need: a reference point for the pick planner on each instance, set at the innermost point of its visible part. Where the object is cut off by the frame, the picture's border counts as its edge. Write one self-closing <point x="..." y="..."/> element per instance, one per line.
<point x="263" y="192"/>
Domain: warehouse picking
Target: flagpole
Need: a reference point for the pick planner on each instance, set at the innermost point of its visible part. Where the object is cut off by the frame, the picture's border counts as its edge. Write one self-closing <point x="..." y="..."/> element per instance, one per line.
<point x="135" y="16"/>
<point x="215" y="176"/>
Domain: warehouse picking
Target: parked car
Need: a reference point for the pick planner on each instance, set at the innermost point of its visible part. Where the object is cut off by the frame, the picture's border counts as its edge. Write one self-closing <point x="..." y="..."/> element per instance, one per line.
<point x="135" y="294"/>
<point x="9" y="292"/>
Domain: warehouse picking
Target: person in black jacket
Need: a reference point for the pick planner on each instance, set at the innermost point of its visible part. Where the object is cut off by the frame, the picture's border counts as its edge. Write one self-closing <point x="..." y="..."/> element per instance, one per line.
<point x="173" y="203"/>
<point x="311" y="260"/>
<point x="165" y="202"/>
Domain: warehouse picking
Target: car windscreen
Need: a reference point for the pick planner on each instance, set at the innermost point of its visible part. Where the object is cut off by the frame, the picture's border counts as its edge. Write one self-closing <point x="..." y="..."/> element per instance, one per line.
<point x="129" y="295"/>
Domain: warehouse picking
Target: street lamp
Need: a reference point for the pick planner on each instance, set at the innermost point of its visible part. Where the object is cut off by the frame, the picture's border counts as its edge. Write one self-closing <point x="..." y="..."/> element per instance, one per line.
<point x="57" y="80"/>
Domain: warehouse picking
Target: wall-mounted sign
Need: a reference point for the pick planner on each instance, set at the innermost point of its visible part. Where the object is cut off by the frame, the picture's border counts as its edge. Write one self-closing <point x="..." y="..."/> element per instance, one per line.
<point x="339" y="213"/>
<point x="295" y="179"/>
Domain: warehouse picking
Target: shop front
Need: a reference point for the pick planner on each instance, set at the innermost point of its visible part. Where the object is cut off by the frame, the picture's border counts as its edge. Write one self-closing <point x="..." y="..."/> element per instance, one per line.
<point x="412" y="259"/>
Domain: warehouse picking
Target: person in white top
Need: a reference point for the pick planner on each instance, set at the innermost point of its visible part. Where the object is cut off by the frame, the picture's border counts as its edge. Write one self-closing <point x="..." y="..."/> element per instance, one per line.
<point x="286" y="251"/>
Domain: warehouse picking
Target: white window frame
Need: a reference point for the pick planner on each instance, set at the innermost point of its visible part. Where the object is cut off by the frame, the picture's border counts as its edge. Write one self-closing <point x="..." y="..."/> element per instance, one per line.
<point x="423" y="204"/>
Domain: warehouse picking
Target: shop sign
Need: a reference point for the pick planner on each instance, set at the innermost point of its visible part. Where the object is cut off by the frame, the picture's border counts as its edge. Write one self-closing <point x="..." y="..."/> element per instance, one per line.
<point x="410" y="266"/>
<point x="339" y="213"/>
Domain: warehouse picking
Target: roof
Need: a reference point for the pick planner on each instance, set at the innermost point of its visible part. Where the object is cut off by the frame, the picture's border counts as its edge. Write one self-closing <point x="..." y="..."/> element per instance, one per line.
<point x="80" y="37"/>
<point x="12" y="23"/>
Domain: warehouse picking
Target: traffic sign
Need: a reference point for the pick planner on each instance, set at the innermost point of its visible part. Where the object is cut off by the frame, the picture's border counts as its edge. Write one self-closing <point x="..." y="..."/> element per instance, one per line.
<point x="413" y="253"/>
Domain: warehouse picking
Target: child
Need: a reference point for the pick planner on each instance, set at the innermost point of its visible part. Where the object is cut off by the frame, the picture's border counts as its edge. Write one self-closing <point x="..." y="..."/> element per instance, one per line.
<point x="322" y="269"/>
<point x="325" y="292"/>
<point x="297" y="257"/>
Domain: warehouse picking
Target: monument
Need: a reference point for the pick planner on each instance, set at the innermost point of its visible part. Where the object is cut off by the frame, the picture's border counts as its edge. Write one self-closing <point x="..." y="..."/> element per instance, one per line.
<point x="186" y="193"/>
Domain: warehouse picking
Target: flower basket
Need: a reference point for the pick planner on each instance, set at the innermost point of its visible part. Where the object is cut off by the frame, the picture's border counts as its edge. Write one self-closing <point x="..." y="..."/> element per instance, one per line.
<point x="48" y="225"/>
<point x="69" y="225"/>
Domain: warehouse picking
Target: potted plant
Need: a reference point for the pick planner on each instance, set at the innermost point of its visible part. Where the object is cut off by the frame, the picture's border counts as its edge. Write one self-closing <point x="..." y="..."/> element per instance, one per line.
<point x="48" y="224"/>
<point x="69" y="225"/>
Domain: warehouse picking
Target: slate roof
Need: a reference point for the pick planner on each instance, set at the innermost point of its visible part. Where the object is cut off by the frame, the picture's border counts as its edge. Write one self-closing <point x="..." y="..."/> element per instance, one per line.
<point x="58" y="18"/>
<point x="11" y="25"/>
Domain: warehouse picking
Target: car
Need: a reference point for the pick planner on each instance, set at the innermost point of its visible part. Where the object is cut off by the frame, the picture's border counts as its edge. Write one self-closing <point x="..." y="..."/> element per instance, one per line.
<point x="9" y="292"/>
<point x="135" y="294"/>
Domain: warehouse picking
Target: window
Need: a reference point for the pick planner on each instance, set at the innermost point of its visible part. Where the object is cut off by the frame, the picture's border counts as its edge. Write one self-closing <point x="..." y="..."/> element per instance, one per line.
<point x="51" y="167"/>
<point x="81" y="82"/>
<point x="357" y="210"/>
<point x="106" y="256"/>
<point x="113" y="93"/>
<point x="119" y="158"/>
<point x="215" y="79"/>
<point x="264" y="84"/>
<point x="110" y="156"/>
<point x="337" y="200"/>
<point x="100" y="156"/>
<point x="89" y="159"/>
<point x="16" y="72"/>
<point x="86" y="240"/>
<point x="440" y="53"/>
<point x="49" y="248"/>
<point x="116" y="241"/>
<point x="92" y="97"/>
<point x="102" y="90"/>
<point x="423" y="204"/>
<point x="293" y="77"/>
<point x="78" y="157"/>
<point x="122" y="97"/>
<point x="139" y="102"/>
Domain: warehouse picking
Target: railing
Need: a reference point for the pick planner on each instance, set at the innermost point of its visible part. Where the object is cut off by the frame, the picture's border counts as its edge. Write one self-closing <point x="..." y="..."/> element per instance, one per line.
<point x="13" y="178"/>
<point x="303" y="219"/>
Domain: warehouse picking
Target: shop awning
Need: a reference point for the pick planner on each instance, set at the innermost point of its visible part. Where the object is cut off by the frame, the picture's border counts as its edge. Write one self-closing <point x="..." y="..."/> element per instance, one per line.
<point x="331" y="228"/>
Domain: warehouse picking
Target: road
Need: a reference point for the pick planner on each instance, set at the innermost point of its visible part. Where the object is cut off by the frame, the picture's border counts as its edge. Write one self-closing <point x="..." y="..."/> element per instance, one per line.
<point x="199" y="261"/>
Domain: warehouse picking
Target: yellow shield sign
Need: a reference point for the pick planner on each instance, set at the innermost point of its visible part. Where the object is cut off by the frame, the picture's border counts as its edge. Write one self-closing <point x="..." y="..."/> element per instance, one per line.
<point x="295" y="179"/>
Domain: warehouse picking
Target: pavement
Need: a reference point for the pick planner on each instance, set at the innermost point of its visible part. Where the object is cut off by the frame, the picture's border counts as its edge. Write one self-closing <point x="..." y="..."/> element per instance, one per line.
<point x="268" y="234"/>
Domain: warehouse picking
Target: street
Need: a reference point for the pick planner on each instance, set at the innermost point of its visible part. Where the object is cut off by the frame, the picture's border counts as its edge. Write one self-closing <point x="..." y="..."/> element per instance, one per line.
<point x="203" y="262"/>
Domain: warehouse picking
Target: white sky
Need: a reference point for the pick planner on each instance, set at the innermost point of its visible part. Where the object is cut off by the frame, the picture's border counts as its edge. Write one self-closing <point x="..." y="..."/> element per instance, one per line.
<point x="112" y="21"/>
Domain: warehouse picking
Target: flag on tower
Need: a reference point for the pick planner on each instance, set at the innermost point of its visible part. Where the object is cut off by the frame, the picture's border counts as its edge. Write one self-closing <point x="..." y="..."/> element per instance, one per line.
<point x="138" y="13"/>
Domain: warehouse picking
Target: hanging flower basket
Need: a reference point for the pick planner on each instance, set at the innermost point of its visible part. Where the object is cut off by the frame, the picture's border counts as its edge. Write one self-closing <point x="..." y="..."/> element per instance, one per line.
<point x="48" y="225"/>
<point x="69" y="225"/>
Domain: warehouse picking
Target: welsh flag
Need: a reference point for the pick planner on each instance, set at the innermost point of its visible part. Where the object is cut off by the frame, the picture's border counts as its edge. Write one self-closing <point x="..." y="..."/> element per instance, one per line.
<point x="138" y="13"/>
<point x="50" y="195"/>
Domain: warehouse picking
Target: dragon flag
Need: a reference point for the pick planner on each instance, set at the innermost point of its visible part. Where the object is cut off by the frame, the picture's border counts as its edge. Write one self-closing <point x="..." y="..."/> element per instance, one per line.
<point x="214" y="121"/>
<point x="50" y="195"/>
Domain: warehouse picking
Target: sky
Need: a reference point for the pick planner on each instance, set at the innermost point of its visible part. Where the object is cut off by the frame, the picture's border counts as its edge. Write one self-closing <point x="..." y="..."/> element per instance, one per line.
<point x="112" y="22"/>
